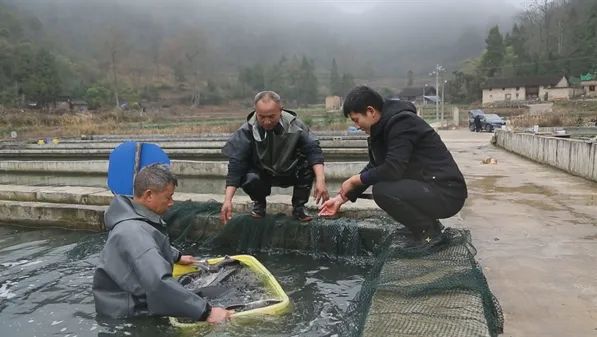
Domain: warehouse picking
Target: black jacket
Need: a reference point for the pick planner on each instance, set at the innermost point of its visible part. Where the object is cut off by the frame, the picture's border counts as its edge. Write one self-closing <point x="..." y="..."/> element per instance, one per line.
<point x="404" y="146"/>
<point x="276" y="152"/>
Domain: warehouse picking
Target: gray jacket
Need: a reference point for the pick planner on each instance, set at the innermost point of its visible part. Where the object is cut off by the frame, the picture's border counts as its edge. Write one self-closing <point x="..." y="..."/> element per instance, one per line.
<point x="134" y="275"/>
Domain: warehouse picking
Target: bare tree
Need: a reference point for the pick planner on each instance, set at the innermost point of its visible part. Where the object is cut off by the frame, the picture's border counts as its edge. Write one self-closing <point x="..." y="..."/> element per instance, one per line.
<point x="190" y="50"/>
<point x="115" y="45"/>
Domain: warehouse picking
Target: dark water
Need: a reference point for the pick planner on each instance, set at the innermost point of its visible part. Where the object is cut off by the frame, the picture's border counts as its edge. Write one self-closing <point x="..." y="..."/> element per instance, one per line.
<point x="45" y="290"/>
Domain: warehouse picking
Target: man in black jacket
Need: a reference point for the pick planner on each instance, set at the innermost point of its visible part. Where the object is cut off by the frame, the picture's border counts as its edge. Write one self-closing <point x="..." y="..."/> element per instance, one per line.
<point x="477" y="122"/>
<point x="414" y="177"/>
<point x="273" y="148"/>
<point x="134" y="275"/>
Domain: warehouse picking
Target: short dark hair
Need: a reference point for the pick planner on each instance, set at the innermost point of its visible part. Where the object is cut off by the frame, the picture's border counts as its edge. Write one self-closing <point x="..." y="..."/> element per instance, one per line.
<point x="359" y="98"/>
<point x="154" y="177"/>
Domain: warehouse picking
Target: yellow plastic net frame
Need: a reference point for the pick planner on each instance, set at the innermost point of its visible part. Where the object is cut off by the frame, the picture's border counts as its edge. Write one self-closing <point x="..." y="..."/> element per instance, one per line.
<point x="269" y="281"/>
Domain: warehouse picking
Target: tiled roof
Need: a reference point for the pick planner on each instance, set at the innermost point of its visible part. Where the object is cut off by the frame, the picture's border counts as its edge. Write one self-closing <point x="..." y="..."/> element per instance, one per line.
<point x="533" y="81"/>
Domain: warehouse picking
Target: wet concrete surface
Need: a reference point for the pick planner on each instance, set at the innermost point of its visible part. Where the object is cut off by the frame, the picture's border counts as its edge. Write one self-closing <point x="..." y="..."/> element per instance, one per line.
<point x="535" y="230"/>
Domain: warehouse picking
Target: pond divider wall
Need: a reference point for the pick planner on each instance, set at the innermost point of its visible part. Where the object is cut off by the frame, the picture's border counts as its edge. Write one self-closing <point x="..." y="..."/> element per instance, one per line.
<point x="575" y="156"/>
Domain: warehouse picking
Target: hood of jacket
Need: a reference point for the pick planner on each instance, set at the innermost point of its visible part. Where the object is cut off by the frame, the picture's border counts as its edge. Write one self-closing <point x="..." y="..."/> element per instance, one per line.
<point x="391" y="107"/>
<point x="288" y="124"/>
<point x="123" y="208"/>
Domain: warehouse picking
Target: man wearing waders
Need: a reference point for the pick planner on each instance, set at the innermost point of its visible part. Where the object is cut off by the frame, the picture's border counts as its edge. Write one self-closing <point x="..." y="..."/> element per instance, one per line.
<point x="134" y="274"/>
<point x="413" y="175"/>
<point x="273" y="148"/>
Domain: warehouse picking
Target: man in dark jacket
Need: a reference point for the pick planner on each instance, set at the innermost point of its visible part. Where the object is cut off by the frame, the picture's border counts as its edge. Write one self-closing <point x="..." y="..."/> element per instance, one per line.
<point x="134" y="275"/>
<point x="273" y="148"/>
<point x="477" y="122"/>
<point x="414" y="177"/>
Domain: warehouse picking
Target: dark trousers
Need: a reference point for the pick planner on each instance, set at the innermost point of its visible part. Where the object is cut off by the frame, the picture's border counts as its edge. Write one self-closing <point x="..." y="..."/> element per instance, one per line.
<point x="415" y="204"/>
<point x="258" y="184"/>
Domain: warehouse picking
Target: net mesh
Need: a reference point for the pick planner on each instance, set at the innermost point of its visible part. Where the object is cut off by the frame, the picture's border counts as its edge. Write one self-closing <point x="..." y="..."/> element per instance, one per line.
<point x="424" y="290"/>
<point x="275" y="233"/>
<point x="437" y="291"/>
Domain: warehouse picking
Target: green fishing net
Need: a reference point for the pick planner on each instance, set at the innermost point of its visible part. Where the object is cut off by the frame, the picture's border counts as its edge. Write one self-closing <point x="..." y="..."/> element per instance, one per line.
<point x="437" y="290"/>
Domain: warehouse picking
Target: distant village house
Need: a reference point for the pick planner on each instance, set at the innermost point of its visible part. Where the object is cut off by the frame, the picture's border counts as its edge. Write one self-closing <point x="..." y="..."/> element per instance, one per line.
<point x="78" y="105"/>
<point x="538" y="88"/>
<point x="589" y="84"/>
<point x="66" y="103"/>
<point x="333" y="103"/>
<point x="418" y="94"/>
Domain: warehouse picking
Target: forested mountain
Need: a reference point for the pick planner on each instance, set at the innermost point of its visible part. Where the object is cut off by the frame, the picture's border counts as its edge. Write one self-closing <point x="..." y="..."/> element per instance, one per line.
<point x="549" y="37"/>
<point x="107" y="51"/>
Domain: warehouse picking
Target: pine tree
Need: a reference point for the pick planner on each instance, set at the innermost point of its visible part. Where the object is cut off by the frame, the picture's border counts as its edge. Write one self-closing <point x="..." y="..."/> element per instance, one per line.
<point x="347" y="83"/>
<point x="494" y="53"/>
<point x="306" y="82"/>
<point x="335" y="81"/>
<point x="43" y="84"/>
<point x="410" y="78"/>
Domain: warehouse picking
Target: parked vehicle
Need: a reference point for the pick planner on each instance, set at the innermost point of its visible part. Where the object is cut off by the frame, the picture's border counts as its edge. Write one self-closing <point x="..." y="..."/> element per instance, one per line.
<point x="487" y="122"/>
<point x="490" y="122"/>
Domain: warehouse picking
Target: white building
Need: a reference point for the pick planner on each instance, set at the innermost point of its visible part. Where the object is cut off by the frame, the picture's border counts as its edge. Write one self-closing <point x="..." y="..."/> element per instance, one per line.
<point x="538" y="88"/>
<point x="589" y="87"/>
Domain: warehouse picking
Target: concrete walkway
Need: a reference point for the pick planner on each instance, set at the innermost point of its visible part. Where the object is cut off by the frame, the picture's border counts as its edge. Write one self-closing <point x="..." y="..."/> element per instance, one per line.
<point x="535" y="230"/>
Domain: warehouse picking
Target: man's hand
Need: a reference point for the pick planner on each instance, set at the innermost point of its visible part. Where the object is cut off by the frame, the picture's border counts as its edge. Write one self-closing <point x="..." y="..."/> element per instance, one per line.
<point x="219" y="315"/>
<point x="321" y="192"/>
<point x="331" y="207"/>
<point x="226" y="212"/>
<point x="187" y="259"/>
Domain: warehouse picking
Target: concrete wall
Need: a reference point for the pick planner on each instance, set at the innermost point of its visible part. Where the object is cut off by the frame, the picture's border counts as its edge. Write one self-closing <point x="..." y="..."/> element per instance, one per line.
<point x="182" y="168"/>
<point x="577" y="92"/>
<point x="333" y="103"/>
<point x="82" y="208"/>
<point x="339" y="149"/>
<point x="557" y="93"/>
<point x="587" y="85"/>
<point x="499" y="95"/>
<point x="574" y="156"/>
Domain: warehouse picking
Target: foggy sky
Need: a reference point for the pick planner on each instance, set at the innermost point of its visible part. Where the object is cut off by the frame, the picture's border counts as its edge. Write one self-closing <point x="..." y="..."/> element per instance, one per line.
<point x="373" y="36"/>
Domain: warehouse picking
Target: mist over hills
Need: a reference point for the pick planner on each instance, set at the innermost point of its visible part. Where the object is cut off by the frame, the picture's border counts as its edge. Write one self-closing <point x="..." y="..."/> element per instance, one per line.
<point x="369" y="39"/>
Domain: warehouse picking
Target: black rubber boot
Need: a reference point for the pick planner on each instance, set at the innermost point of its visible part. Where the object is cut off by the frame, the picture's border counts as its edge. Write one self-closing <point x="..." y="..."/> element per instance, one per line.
<point x="258" y="210"/>
<point x="258" y="190"/>
<point x="424" y="242"/>
<point x="300" y="214"/>
<point x="432" y="234"/>
<point x="300" y="196"/>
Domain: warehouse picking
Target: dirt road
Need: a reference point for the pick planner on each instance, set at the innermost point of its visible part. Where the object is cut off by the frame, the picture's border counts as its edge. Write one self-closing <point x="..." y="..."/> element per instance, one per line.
<point x="535" y="229"/>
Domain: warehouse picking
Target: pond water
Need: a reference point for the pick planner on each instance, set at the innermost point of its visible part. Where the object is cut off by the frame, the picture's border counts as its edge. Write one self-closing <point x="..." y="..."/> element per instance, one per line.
<point x="46" y="277"/>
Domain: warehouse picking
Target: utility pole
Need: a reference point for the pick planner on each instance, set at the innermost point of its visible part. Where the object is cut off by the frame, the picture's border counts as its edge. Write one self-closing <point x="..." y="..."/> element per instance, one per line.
<point x="438" y="69"/>
<point x="443" y="89"/>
